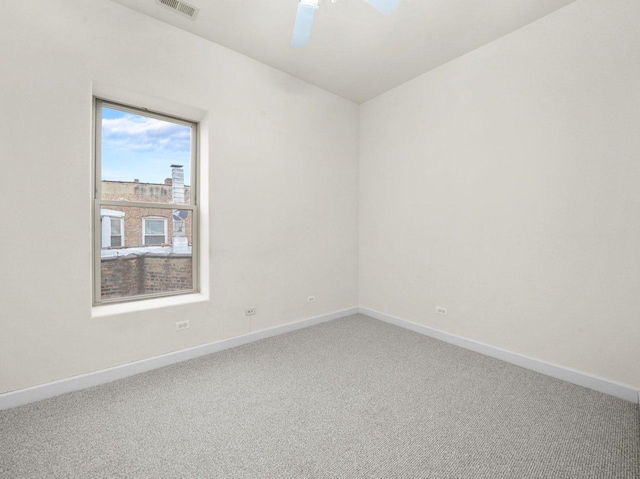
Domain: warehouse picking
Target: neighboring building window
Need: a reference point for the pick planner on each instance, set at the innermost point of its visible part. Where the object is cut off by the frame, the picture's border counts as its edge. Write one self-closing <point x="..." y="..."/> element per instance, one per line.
<point x="116" y="232"/>
<point x="146" y="213"/>
<point x="112" y="227"/>
<point x="155" y="231"/>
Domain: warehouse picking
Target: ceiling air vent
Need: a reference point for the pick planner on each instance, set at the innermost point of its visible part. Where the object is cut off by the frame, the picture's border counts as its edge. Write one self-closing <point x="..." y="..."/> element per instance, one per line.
<point x="180" y="7"/>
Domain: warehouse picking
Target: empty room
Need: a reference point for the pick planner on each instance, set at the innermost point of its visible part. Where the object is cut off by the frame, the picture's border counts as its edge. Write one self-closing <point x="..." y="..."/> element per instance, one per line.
<point x="320" y="239"/>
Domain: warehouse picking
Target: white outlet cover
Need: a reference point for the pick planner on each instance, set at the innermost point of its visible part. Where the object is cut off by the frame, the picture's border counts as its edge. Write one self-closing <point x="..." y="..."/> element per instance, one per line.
<point x="182" y="325"/>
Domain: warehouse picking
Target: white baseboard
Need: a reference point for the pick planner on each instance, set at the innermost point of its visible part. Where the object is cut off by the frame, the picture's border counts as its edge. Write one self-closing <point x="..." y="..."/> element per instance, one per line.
<point x="84" y="381"/>
<point x="569" y="375"/>
<point x="43" y="391"/>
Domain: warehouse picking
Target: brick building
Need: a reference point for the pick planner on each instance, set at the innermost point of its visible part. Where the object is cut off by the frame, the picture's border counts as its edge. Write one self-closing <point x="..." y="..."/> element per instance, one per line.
<point x="146" y="250"/>
<point x="132" y="226"/>
<point x="152" y="272"/>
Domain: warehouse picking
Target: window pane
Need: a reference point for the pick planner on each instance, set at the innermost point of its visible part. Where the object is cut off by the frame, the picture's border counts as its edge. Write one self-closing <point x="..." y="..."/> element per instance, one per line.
<point x="154" y="227"/>
<point x="148" y="264"/>
<point x="115" y="227"/>
<point x="144" y="158"/>
<point x="153" y="240"/>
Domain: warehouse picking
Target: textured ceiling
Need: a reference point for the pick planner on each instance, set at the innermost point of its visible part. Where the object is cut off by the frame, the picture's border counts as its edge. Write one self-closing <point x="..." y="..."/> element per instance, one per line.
<point x="355" y="51"/>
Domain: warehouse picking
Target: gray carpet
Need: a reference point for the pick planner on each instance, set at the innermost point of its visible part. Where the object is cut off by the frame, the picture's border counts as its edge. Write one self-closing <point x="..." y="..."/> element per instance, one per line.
<point x="353" y="398"/>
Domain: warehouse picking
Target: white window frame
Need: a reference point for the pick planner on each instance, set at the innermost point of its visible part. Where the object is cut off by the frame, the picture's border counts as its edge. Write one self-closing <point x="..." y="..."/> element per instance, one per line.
<point x="100" y="204"/>
<point x="144" y="228"/>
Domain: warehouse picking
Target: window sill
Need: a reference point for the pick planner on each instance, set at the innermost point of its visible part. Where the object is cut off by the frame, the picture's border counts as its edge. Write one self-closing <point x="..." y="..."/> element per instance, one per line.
<point x="105" y="310"/>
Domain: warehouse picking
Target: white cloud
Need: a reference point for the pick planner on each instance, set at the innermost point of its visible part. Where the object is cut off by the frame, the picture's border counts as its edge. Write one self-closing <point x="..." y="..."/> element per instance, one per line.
<point x="140" y="133"/>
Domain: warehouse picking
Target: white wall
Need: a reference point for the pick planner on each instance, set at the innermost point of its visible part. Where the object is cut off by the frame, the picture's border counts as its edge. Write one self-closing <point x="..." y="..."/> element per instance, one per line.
<point x="282" y="175"/>
<point x="505" y="185"/>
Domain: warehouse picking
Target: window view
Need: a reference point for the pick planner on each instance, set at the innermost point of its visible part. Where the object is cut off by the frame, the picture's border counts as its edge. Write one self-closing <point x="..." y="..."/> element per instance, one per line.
<point x="155" y="231"/>
<point x="145" y="211"/>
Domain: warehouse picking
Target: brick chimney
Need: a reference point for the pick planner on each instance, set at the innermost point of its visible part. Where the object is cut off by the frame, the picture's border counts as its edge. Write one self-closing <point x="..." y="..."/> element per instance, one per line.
<point x="179" y="242"/>
<point x="177" y="184"/>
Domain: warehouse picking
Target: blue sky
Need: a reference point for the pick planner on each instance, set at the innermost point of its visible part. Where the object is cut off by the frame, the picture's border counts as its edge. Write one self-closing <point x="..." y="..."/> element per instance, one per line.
<point x="139" y="147"/>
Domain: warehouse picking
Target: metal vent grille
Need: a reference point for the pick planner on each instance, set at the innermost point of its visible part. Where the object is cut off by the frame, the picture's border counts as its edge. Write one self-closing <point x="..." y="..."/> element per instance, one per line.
<point x="180" y="7"/>
<point x="187" y="9"/>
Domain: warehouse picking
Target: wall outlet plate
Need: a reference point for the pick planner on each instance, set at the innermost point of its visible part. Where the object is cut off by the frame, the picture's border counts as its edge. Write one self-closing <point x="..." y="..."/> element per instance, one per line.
<point x="311" y="299"/>
<point x="249" y="311"/>
<point x="182" y="325"/>
<point x="441" y="310"/>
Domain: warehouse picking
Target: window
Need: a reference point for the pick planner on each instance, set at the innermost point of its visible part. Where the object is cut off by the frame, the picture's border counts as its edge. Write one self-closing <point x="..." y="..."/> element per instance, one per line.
<point x="146" y="212"/>
<point x="116" y="232"/>
<point x="112" y="227"/>
<point x="155" y="231"/>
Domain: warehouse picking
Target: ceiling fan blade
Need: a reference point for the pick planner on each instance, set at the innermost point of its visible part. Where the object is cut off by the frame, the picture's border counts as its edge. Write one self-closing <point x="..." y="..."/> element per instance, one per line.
<point x="304" y="22"/>
<point x="384" y="6"/>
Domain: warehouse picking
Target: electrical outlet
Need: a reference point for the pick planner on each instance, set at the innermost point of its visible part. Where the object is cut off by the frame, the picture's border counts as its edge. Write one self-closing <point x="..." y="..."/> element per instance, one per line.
<point x="311" y="299"/>
<point x="441" y="310"/>
<point x="250" y="311"/>
<point x="182" y="325"/>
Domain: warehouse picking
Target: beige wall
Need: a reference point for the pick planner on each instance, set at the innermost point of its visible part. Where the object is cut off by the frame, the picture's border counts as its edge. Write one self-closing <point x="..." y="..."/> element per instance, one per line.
<point x="505" y="186"/>
<point x="280" y="164"/>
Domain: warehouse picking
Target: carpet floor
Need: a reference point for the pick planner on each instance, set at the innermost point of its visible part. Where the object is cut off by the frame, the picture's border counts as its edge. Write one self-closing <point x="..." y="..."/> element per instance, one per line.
<point x="351" y="398"/>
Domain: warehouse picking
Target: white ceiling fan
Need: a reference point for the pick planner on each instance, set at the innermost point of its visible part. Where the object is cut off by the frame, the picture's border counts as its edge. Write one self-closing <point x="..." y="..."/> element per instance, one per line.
<point x="307" y="11"/>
